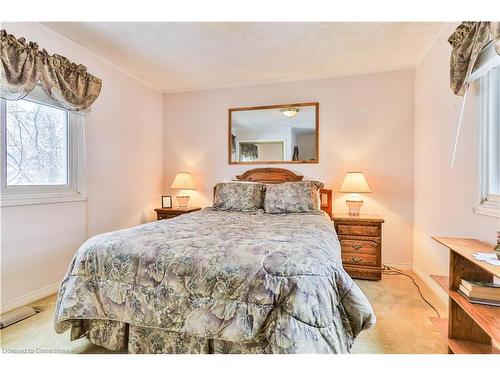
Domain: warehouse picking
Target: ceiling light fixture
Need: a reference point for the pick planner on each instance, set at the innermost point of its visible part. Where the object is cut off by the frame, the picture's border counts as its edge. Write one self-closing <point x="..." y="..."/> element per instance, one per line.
<point x="290" y="111"/>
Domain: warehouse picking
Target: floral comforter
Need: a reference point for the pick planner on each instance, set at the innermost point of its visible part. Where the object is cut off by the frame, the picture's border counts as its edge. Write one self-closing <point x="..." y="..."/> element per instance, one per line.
<point x="252" y="280"/>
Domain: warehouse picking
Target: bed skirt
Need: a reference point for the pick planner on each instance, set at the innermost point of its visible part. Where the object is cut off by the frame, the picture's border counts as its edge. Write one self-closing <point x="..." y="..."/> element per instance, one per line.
<point x="119" y="336"/>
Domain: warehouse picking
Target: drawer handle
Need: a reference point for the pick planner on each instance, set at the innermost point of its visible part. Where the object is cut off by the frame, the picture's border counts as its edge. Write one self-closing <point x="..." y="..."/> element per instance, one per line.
<point x="356" y="259"/>
<point x="356" y="246"/>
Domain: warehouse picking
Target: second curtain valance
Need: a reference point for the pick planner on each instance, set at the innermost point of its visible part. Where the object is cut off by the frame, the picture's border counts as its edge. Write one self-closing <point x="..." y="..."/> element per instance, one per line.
<point x="23" y="65"/>
<point x="467" y="41"/>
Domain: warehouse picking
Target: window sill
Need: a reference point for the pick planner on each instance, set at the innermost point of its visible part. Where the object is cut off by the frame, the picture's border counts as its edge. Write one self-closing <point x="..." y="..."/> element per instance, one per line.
<point x="32" y="199"/>
<point x="488" y="209"/>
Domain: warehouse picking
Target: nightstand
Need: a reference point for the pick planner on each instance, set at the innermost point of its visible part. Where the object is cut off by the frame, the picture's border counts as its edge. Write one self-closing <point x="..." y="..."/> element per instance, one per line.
<point x="361" y="242"/>
<point x="169" y="213"/>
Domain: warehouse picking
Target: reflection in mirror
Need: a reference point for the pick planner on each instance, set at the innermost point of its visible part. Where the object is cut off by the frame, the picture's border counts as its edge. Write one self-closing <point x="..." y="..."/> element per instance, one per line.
<point x="274" y="134"/>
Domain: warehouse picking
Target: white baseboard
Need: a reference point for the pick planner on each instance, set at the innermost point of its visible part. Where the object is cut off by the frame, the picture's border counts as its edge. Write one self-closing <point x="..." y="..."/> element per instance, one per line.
<point x="29" y="298"/>
<point x="401" y="266"/>
<point x="432" y="285"/>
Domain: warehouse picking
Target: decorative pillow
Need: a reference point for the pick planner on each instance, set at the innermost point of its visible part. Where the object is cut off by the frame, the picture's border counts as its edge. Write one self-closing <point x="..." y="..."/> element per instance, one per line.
<point x="235" y="196"/>
<point x="290" y="197"/>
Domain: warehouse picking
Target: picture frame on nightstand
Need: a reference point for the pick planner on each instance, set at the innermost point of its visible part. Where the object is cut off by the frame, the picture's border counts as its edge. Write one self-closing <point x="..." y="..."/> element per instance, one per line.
<point x="166" y="201"/>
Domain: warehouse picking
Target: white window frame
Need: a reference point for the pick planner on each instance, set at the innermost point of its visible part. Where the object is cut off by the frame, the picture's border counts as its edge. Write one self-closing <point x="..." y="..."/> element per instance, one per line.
<point x="488" y="135"/>
<point x="74" y="189"/>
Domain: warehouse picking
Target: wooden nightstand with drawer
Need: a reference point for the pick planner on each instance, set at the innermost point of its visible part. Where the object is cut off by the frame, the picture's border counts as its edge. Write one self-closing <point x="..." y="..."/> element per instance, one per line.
<point x="361" y="241"/>
<point x="169" y="213"/>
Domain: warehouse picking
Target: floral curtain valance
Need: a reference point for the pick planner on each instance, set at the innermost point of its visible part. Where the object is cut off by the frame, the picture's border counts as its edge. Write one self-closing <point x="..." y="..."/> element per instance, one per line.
<point x="23" y="65"/>
<point x="467" y="41"/>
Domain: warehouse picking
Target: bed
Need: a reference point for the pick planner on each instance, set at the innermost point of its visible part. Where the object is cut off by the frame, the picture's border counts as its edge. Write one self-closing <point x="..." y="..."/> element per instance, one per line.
<point x="217" y="282"/>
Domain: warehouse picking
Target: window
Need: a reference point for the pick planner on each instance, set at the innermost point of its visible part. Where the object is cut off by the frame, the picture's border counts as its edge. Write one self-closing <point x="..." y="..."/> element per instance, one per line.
<point x="42" y="151"/>
<point x="488" y="200"/>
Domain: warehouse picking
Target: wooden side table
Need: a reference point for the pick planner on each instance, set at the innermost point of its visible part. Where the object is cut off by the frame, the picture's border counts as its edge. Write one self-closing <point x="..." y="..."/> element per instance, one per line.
<point x="470" y="328"/>
<point x="169" y="213"/>
<point x="361" y="242"/>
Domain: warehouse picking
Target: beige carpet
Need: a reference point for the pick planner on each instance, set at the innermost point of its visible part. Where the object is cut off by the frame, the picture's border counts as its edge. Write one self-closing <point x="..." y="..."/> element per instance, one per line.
<point x="403" y="324"/>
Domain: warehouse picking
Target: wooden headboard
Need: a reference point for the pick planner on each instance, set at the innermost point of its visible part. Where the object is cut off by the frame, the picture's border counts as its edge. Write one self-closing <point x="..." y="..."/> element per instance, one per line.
<point x="278" y="175"/>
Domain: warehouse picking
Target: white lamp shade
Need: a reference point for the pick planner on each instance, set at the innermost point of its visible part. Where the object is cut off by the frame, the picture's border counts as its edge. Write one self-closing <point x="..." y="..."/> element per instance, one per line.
<point x="355" y="182"/>
<point x="184" y="181"/>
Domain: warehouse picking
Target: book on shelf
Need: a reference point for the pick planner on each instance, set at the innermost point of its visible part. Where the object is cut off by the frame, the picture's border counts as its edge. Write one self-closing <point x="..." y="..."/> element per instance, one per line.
<point x="480" y="301"/>
<point x="480" y="292"/>
<point x="483" y="290"/>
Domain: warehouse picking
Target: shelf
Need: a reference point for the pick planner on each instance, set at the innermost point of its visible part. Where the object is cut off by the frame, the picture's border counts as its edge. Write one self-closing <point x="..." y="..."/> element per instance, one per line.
<point x="468" y="246"/>
<point x="461" y="346"/>
<point x="486" y="317"/>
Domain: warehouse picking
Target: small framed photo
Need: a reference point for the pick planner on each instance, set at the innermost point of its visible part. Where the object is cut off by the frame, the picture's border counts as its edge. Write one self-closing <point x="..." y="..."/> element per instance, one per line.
<point x="166" y="201"/>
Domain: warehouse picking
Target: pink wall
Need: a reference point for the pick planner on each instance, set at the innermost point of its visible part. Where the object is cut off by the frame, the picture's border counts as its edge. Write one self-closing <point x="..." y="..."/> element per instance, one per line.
<point x="124" y="132"/>
<point x="443" y="197"/>
<point x="397" y="127"/>
<point x="366" y="123"/>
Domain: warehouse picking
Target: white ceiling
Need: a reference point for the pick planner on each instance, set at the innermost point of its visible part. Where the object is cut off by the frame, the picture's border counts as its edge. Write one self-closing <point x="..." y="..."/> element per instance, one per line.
<point x="172" y="57"/>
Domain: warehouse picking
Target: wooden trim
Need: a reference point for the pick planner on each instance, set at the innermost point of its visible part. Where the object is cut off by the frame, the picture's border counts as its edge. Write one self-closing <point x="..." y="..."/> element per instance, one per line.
<point x="269" y="175"/>
<point x="273" y="162"/>
<point x="363" y="272"/>
<point x="328" y="206"/>
<point x="273" y="106"/>
<point x="461" y="346"/>
<point x="317" y="135"/>
<point x="229" y="134"/>
<point x="362" y="219"/>
<point x="308" y="104"/>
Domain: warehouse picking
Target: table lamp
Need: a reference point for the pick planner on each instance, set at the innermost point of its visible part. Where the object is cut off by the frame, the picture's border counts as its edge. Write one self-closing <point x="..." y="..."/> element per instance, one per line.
<point x="354" y="183"/>
<point x="183" y="181"/>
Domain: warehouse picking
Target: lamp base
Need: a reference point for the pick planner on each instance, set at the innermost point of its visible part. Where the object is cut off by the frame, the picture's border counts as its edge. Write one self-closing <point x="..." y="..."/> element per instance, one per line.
<point x="183" y="200"/>
<point x="354" y="206"/>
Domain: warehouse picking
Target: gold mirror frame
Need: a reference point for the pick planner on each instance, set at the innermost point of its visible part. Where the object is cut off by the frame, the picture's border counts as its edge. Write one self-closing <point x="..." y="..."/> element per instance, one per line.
<point x="310" y="104"/>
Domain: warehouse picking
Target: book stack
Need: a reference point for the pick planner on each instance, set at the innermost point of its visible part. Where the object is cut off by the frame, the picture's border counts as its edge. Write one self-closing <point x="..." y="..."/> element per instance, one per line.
<point x="480" y="292"/>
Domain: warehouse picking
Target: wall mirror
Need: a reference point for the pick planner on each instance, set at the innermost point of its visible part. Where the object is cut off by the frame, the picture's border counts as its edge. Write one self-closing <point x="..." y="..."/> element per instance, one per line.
<point x="274" y="134"/>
